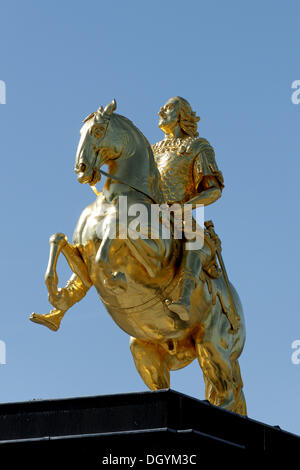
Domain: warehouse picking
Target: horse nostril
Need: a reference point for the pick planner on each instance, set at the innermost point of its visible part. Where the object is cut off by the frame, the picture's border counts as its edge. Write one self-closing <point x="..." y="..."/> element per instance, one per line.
<point x="82" y="167"/>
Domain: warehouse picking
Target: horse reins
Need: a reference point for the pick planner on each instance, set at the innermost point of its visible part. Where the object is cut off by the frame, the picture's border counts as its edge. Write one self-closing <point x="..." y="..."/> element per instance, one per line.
<point x="119" y="180"/>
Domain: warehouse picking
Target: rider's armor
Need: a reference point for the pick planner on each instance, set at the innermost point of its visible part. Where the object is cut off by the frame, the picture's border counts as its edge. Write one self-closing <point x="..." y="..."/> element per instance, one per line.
<point x="183" y="165"/>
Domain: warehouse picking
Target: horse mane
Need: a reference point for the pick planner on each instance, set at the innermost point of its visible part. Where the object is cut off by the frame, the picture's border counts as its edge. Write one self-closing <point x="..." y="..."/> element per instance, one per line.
<point x="154" y="175"/>
<point x="131" y="124"/>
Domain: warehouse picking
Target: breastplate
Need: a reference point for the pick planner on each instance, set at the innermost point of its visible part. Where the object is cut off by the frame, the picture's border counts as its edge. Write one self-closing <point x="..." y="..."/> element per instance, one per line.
<point x="176" y="173"/>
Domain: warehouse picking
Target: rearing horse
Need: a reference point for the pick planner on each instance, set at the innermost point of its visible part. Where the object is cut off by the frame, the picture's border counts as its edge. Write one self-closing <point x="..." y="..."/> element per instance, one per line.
<point x="135" y="275"/>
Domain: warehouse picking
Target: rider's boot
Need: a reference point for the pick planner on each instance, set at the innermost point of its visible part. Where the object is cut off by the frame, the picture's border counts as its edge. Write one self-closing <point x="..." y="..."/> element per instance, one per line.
<point x="192" y="270"/>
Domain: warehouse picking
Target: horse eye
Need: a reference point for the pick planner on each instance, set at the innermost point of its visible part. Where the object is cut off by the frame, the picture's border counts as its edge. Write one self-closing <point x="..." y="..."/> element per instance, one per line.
<point x="97" y="132"/>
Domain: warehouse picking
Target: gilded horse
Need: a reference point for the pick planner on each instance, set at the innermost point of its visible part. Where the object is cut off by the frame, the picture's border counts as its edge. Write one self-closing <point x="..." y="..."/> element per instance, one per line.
<point x="135" y="275"/>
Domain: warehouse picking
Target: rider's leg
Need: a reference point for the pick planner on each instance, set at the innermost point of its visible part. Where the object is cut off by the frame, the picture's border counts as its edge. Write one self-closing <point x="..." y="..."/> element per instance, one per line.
<point x="150" y="361"/>
<point x="191" y="272"/>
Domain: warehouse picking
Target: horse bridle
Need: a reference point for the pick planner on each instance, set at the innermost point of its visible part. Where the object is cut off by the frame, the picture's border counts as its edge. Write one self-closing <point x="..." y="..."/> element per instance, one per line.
<point x="119" y="180"/>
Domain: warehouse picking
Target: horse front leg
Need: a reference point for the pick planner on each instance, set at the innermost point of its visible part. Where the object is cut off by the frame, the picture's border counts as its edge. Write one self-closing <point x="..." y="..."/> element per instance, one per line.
<point x="63" y="298"/>
<point x="50" y="320"/>
<point x="112" y="280"/>
<point x="56" y="242"/>
<point x="75" y="289"/>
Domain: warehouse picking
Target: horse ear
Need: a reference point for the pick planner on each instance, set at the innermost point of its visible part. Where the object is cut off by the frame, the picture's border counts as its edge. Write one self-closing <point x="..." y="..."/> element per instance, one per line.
<point x="111" y="107"/>
<point x="89" y="117"/>
<point x="99" y="113"/>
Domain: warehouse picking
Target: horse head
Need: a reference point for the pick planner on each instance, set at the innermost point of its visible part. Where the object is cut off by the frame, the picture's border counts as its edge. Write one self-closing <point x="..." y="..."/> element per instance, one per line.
<point x="109" y="138"/>
<point x="95" y="148"/>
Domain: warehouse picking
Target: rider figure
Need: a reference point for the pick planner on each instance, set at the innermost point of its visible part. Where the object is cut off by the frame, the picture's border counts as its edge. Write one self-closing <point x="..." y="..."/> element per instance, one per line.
<point x="189" y="175"/>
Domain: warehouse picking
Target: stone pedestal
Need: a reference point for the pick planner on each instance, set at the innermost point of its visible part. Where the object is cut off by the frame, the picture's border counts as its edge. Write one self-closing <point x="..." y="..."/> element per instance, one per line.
<point x="132" y="430"/>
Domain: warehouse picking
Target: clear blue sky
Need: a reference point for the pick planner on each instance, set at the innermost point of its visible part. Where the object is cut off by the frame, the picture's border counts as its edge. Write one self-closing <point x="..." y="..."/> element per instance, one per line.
<point x="235" y="62"/>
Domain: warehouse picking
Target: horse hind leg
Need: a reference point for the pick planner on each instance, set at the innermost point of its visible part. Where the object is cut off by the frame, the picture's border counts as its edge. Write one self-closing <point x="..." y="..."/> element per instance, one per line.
<point x="150" y="361"/>
<point x="217" y="372"/>
<point x="240" y="402"/>
<point x="223" y="381"/>
<point x="210" y="390"/>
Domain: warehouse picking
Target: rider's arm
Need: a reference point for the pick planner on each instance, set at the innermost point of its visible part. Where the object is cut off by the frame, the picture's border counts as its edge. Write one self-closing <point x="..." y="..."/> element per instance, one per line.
<point x="209" y="192"/>
<point x="208" y="180"/>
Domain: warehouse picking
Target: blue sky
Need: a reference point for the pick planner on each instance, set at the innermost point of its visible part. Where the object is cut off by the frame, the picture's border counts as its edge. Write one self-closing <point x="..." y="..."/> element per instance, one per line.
<point x="235" y="62"/>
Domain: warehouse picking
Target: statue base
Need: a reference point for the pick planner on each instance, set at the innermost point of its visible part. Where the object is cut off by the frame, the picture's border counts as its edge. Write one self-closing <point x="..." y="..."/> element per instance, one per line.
<point x="134" y="429"/>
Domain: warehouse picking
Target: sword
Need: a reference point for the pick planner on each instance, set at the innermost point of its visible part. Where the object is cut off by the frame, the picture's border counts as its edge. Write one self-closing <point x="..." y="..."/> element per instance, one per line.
<point x="234" y="318"/>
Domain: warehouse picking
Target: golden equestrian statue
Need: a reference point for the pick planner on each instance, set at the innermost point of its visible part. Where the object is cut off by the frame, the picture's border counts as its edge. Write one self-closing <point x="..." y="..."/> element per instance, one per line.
<point x="176" y="303"/>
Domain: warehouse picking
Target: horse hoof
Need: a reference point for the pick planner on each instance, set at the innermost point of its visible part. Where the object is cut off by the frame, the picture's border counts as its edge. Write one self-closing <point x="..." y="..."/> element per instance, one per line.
<point x="44" y="320"/>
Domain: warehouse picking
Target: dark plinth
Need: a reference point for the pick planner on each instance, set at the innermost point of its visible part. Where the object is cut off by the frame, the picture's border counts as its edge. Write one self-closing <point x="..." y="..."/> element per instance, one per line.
<point x="166" y="422"/>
